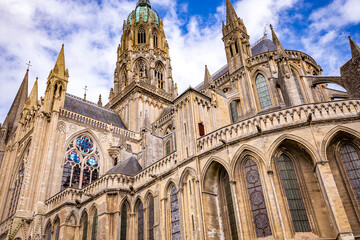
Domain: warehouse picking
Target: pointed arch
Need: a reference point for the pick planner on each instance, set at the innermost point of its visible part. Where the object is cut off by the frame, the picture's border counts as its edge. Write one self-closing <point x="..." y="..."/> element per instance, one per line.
<point x="73" y="214"/>
<point x="247" y="150"/>
<point x="48" y="230"/>
<point x="208" y="164"/>
<point x="188" y="171"/>
<point x="84" y="225"/>
<point x="139" y="213"/>
<point x="263" y="92"/>
<point x="125" y="209"/>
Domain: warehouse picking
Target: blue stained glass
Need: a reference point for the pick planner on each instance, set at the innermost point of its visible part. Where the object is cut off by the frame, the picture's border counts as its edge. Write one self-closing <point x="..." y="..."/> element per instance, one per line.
<point x="73" y="157"/>
<point x="85" y="144"/>
<point x="92" y="162"/>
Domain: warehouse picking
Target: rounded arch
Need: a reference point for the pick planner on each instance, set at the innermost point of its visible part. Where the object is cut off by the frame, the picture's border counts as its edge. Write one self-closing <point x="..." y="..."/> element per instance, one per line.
<point x="330" y="135"/>
<point x="289" y="137"/>
<point x="187" y="171"/>
<point x="244" y="151"/>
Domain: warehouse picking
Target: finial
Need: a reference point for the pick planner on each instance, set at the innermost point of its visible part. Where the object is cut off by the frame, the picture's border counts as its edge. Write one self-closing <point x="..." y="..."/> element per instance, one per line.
<point x="265" y="31"/>
<point x="271" y="27"/>
<point x="86" y="89"/>
<point x="350" y="37"/>
<point x="29" y="65"/>
<point x="100" y="101"/>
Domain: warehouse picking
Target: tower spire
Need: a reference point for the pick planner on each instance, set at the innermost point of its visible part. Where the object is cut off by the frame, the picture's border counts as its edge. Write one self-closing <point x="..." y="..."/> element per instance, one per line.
<point x="279" y="48"/>
<point x="59" y="68"/>
<point x="33" y="97"/>
<point x="207" y="77"/>
<point x="230" y="13"/>
<point x="355" y="49"/>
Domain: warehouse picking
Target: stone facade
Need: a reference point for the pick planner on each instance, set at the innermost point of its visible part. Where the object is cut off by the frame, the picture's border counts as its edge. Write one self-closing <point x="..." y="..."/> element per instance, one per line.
<point x="261" y="149"/>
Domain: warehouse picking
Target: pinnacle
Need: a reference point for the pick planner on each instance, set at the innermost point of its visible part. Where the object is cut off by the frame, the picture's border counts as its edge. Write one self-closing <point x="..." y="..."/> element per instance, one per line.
<point x="230" y="12"/>
<point x="207" y="77"/>
<point x="59" y="67"/>
<point x="355" y="49"/>
<point x="33" y="94"/>
<point x="279" y="48"/>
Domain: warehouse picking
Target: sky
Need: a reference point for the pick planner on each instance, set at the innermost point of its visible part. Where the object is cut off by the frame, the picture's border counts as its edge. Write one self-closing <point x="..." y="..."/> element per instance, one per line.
<point x="34" y="30"/>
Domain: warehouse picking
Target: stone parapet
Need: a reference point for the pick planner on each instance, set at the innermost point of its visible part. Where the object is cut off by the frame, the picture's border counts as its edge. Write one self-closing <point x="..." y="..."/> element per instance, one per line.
<point x="280" y="119"/>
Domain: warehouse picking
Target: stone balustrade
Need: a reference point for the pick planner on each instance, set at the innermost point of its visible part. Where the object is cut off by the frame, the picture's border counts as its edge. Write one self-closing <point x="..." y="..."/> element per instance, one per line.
<point x="292" y="54"/>
<point x="280" y="119"/>
<point x="67" y="196"/>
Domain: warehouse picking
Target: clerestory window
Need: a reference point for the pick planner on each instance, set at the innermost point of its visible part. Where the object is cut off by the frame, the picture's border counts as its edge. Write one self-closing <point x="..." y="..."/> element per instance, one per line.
<point x="263" y="92"/>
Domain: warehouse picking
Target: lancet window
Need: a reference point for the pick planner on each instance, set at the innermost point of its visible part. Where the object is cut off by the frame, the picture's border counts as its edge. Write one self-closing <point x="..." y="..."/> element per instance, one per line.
<point x="257" y="200"/>
<point x="175" y="214"/>
<point x="298" y="87"/>
<point x="94" y="226"/>
<point x="151" y="218"/>
<point x="81" y="165"/>
<point x="263" y="92"/>
<point x="123" y="228"/>
<point x="140" y="220"/>
<point x="141" y="35"/>
<point x="350" y="158"/>
<point x="229" y="205"/>
<point x="159" y="76"/>
<point x="234" y="108"/>
<point x="48" y="232"/>
<point x="155" y="39"/>
<point x="141" y="68"/>
<point x="293" y="194"/>
<point x="57" y="233"/>
<point x="84" y="227"/>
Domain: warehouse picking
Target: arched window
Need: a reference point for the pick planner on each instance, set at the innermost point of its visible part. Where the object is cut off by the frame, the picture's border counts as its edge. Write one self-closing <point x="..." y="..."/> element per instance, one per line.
<point x="94" y="226"/>
<point x="175" y="214"/>
<point x="123" y="228"/>
<point x="48" y="232"/>
<point x="84" y="227"/>
<point x="231" y="50"/>
<point x="298" y="87"/>
<point x="151" y="218"/>
<point x="57" y="233"/>
<point x="124" y="77"/>
<point x="141" y="35"/>
<point x="234" y="108"/>
<point x="229" y="204"/>
<point x="236" y="47"/>
<point x="81" y="165"/>
<point x="263" y="92"/>
<point x="293" y="194"/>
<point x="351" y="160"/>
<point x="168" y="147"/>
<point x="159" y="76"/>
<point x="155" y="39"/>
<point x="141" y="68"/>
<point x="257" y="200"/>
<point x="140" y="220"/>
<point x="17" y="189"/>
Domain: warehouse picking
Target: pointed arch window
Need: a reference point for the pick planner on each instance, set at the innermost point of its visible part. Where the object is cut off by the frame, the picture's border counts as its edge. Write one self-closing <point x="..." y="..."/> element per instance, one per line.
<point x="229" y="205"/>
<point x="293" y="194"/>
<point x="123" y="228"/>
<point x="159" y="76"/>
<point x="81" y="165"/>
<point x="175" y="214"/>
<point x="140" y="220"/>
<point x="257" y="200"/>
<point x="298" y="87"/>
<point x="57" y="234"/>
<point x="141" y="35"/>
<point x="234" y="108"/>
<point x="351" y="161"/>
<point x="84" y="227"/>
<point x="94" y="226"/>
<point x="155" y="39"/>
<point x="151" y="218"/>
<point x="48" y="232"/>
<point x="263" y="92"/>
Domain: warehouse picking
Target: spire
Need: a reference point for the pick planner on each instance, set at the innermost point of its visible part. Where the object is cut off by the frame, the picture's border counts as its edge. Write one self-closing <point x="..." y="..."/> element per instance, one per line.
<point x="207" y="77"/>
<point x="230" y="13"/>
<point x="12" y="118"/>
<point x="33" y="97"/>
<point x="59" y="68"/>
<point x="355" y="49"/>
<point x="100" y="101"/>
<point x="279" y="48"/>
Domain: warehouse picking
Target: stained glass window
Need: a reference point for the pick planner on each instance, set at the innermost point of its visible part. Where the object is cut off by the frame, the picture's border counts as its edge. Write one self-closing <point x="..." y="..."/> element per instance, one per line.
<point x="140" y="220"/>
<point x="57" y="230"/>
<point x="81" y="165"/>
<point x="234" y="111"/>
<point x="230" y="206"/>
<point x="151" y="218"/>
<point x="48" y="232"/>
<point x="94" y="226"/>
<point x="297" y="87"/>
<point x="263" y="92"/>
<point x="258" y="206"/>
<point x="85" y="227"/>
<point x="351" y="160"/>
<point x="168" y="150"/>
<point x="123" y="222"/>
<point x="16" y="190"/>
<point x="175" y="215"/>
<point x="293" y="194"/>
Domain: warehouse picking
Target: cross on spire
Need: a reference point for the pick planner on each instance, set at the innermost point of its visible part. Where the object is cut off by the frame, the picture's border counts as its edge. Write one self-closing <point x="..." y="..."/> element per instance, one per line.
<point x="86" y="89"/>
<point x="29" y="65"/>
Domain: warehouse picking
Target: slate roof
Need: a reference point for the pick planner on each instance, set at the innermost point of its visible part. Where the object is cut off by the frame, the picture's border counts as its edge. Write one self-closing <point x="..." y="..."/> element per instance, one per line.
<point x="92" y="110"/>
<point x="129" y="166"/>
<point x="262" y="46"/>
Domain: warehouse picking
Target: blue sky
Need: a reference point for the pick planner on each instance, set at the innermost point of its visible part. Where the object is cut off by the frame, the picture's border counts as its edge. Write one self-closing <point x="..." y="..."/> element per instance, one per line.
<point x="35" y="29"/>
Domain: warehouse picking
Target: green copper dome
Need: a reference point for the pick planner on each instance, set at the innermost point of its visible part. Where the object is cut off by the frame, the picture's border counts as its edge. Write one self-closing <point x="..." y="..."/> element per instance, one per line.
<point x="143" y="10"/>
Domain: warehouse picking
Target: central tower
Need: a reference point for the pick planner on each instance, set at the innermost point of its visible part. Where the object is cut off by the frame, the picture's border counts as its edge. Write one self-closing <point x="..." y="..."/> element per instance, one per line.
<point x="143" y="84"/>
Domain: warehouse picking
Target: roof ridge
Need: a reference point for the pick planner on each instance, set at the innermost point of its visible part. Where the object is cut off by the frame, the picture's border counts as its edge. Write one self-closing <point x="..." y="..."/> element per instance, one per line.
<point x="90" y="103"/>
<point x="218" y="71"/>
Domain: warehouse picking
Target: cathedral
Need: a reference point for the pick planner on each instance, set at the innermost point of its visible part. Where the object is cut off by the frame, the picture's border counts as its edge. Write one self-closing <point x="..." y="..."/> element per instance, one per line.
<point x="261" y="149"/>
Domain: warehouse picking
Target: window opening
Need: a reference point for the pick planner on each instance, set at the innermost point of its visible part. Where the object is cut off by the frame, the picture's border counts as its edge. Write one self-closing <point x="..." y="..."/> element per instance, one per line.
<point x="298" y="87"/>
<point x="350" y="158"/>
<point x="94" y="226"/>
<point x="175" y="215"/>
<point x="263" y="92"/>
<point x="151" y="218"/>
<point x="201" y="129"/>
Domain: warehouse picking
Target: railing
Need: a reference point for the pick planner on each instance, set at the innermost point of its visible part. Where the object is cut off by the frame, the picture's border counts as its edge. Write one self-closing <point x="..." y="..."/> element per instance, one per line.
<point x="280" y="119"/>
<point x="294" y="55"/>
